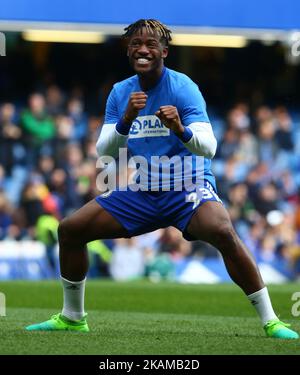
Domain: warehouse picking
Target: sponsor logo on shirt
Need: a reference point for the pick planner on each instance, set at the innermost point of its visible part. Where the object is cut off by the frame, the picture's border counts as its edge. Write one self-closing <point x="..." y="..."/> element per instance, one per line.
<point x="148" y="126"/>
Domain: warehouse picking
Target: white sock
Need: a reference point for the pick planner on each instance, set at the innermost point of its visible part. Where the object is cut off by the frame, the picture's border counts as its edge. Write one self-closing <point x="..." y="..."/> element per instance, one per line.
<point x="73" y="299"/>
<point x="262" y="304"/>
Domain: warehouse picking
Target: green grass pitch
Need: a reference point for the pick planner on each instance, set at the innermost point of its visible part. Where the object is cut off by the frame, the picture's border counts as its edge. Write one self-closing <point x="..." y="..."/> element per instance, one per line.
<point x="143" y="318"/>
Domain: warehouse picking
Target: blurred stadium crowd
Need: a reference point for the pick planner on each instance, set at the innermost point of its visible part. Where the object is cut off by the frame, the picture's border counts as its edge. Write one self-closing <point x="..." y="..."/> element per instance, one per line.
<point x="48" y="169"/>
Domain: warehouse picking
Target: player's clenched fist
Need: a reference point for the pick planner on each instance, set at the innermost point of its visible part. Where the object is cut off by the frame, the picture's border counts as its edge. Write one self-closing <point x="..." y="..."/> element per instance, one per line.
<point x="169" y="116"/>
<point x="136" y="102"/>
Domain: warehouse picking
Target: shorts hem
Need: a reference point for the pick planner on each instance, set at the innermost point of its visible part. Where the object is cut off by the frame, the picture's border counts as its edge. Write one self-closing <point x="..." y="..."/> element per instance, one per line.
<point x="112" y="213"/>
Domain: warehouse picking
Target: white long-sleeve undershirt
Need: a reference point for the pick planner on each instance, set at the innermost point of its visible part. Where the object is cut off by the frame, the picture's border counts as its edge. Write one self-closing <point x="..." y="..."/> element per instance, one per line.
<point x="110" y="140"/>
<point x="202" y="143"/>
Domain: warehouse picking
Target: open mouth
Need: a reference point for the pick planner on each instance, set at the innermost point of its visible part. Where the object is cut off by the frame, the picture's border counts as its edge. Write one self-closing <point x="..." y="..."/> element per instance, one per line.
<point x="142" y="60"/>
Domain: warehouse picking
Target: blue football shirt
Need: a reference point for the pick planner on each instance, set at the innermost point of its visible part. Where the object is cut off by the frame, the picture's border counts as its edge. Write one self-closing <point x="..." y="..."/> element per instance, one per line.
<point x="149" y="138"/>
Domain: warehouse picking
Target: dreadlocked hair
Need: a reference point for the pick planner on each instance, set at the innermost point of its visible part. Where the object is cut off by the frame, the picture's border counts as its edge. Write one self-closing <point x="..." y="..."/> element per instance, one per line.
<point x="151" y="26"/>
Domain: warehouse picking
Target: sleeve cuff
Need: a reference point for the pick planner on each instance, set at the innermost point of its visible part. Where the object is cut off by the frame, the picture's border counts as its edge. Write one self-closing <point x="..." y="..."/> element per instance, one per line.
<point x="122" y="128"/>
<point x="186" y="135"/>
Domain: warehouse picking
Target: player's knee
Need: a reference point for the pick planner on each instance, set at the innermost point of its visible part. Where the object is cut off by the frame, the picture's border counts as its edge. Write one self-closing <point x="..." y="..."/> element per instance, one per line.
<point x="225" y="236"/>
<point x="66" y="232"/>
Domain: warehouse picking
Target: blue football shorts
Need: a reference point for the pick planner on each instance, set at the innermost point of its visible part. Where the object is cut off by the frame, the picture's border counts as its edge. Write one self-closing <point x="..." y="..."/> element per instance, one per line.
<point x="145" y="211"/>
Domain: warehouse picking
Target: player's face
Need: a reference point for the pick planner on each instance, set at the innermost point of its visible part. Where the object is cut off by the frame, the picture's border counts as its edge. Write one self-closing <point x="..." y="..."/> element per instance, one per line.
<point x="146" y="53"/>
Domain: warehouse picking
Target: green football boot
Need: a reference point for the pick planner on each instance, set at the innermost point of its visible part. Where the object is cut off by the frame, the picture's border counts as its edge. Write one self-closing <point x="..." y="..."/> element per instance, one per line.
<point x="279" y="330"/>
<point x="59" y="322"/>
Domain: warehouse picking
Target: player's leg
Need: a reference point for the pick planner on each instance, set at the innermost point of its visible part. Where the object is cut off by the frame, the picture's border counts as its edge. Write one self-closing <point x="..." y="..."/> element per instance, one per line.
<point x="89" y="223"/>
<point x="211" y="223"/>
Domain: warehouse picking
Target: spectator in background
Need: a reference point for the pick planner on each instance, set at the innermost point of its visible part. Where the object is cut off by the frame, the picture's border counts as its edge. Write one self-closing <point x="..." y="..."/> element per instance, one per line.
<point x="267" y="199"/>
<point x="5" y="216"/>
<point x="46" y="232"/>
<point x="170" y="236"/>
<point x="94" y="127"/>
<point x="288" y="187"/>
<point x="127" y="260"/>
<point x="233" y="172"/>
<point x="55" y="100"/>
<point x="172" y="243"/>
<point x="256" y="177"/>
<point x="71" y="162"/>
<point x="38" y="127"/>
<point x="267" y="249"/>
<point x="283" y="133"/>
<point x="238" y="117"/>
<point x="62" y="191"/>
<point x="73" y="157"/>
<point x="240" y="208"/>
<point x="181" y="250"/>
<point x="45" y="168"/>
<point x="79" y="118"/>
<point x="64" y="131"/>
<point x="10" y="136"/>
<point x="281" y="227"/>
<point x="255" y="234"/>
<point x="31" y="203"/>
<point x="263" y="113"/>
<point x="228" y="145"/>
<point x="267" y="146"/>
<point x="2" y="178"/>
<point x="247" y="152"/>
<point x="86" y="181"/>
